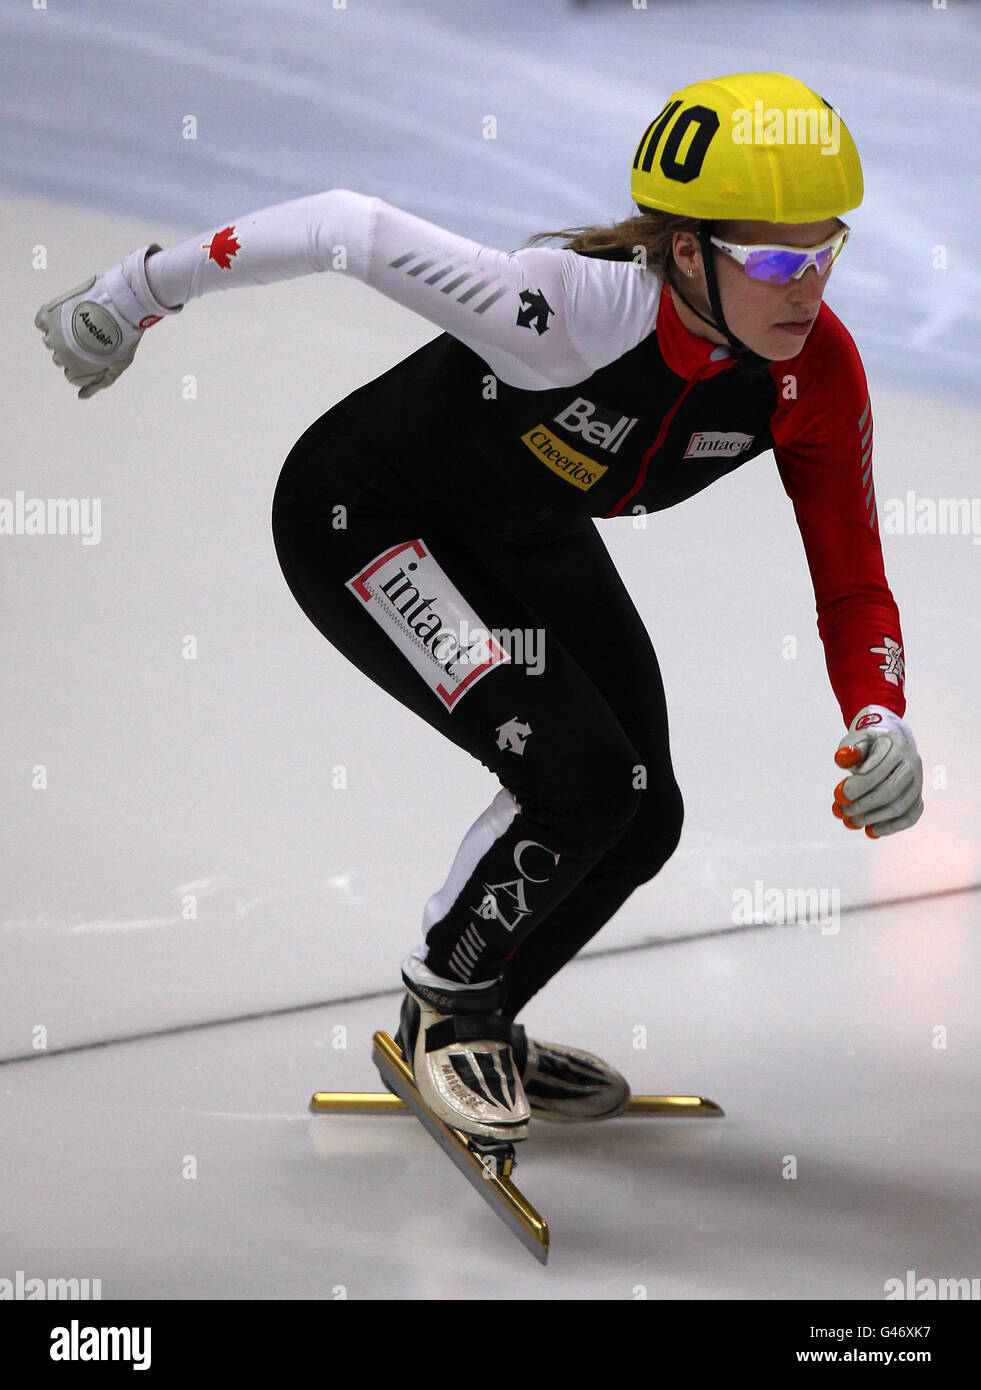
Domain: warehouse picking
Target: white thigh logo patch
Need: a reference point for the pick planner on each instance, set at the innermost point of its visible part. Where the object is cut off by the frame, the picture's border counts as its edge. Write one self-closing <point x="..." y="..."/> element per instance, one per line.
<point x="428" y="619"/>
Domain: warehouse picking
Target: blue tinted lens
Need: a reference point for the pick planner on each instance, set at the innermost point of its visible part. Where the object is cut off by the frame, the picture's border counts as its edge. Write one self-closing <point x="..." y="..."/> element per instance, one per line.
<point x="776" y="266"/>
<point x="780" y="267"/>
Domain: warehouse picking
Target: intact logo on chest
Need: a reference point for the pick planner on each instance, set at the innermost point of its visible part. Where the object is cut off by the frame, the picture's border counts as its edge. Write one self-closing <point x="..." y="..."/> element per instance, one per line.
<point x="717" y="444"/>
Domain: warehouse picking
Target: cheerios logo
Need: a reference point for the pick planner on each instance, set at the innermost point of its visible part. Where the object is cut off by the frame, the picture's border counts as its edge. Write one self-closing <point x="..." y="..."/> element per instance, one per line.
<point x="578" y="469"/>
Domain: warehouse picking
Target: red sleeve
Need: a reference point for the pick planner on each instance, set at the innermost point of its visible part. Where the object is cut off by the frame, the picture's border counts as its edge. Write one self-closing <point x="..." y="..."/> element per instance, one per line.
<point x="822" y="441"/>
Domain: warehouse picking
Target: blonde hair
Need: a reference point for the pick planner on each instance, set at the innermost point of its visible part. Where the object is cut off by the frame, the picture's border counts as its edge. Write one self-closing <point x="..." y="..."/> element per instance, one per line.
<point x="650" y="232"/>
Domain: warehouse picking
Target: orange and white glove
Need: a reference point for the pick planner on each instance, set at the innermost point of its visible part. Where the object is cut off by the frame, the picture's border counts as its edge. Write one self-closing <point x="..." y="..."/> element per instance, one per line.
<point x="884" y="790"/>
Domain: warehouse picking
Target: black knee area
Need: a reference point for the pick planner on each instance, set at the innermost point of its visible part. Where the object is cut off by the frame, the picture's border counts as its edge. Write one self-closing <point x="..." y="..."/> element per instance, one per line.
<point x="653" y="834"/>
<point x="592" y="797"/>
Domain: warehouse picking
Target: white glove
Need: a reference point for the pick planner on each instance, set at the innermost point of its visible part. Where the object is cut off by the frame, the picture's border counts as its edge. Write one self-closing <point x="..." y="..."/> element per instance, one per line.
<point x="884" y="792"/>
<point x="93" y="331"/>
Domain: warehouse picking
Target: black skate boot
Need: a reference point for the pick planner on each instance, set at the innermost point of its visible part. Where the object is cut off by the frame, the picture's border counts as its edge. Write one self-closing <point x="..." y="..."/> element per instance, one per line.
<point x="564" y="1084"/>
<point x="458" y="1046"/>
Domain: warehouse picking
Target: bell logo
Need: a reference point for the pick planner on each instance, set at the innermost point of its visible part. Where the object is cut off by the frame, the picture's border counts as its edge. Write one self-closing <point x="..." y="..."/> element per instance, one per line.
<point x="602" y="427"/>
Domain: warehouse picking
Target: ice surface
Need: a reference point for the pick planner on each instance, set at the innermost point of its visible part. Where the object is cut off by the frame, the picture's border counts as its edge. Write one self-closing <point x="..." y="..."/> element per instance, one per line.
<point x="820" y="1048"/>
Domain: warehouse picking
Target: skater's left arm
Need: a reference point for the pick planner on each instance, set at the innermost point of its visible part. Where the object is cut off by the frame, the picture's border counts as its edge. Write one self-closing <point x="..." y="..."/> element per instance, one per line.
<point x="823" y="448"/>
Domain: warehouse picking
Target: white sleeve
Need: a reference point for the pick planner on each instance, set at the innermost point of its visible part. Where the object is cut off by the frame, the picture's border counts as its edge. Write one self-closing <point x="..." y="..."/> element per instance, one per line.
<point x="539" y="317"/>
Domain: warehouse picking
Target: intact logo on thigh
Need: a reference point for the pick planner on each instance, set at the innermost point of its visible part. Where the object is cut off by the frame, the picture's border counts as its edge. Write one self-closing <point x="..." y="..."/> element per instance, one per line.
<point x="420" y="608"/>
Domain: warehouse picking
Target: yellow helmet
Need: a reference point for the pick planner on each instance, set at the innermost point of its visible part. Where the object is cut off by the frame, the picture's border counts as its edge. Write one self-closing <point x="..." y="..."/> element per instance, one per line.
<point x="755" y="146"/>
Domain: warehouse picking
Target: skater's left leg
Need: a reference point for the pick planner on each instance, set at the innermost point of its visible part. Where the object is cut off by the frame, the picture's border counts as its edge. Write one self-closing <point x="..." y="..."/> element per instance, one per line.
<point x="610" y="641"/>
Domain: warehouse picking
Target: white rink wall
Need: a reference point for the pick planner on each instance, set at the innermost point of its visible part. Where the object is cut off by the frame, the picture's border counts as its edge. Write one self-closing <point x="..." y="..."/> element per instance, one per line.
<point x="174" y="784"/>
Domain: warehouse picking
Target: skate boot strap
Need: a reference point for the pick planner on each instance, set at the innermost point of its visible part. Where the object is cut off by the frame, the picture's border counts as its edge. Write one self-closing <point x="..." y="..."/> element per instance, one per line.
<point x="468" y="1028"/>
<point x="464" y="1001"/>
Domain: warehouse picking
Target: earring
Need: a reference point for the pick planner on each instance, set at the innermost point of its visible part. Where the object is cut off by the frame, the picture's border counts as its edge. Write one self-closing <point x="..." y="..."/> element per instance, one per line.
<point x="691" y="272"/>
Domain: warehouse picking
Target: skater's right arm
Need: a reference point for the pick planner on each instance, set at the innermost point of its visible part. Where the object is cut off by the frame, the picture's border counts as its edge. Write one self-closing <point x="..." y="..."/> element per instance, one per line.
<point x="540" y="317"/>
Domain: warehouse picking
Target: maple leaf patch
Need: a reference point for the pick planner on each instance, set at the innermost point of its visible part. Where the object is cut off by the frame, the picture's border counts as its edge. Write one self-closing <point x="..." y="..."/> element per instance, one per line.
<point x="222" y="247"/>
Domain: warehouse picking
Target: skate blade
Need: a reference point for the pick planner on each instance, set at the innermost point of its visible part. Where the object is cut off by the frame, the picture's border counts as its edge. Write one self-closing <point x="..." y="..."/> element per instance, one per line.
<point x="377" y="1103"/>
<point x="497" y="1190"/>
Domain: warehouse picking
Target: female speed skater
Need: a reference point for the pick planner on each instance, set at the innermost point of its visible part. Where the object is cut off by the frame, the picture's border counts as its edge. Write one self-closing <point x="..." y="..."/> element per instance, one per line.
<point x="437" y="525"/>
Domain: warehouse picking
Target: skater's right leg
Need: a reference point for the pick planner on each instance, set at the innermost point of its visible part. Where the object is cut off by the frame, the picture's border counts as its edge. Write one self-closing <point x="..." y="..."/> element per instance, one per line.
<point x="566" y="764"/>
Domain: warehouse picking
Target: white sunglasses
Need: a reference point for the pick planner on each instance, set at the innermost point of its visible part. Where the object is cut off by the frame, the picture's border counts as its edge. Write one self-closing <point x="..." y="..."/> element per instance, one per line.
<point x="781" y="264"/>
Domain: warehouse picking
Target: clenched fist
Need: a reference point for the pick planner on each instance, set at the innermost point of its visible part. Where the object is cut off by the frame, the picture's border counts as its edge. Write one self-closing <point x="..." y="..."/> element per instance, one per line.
<point x="93" y="330"/>
<point x="883" y="792"/>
